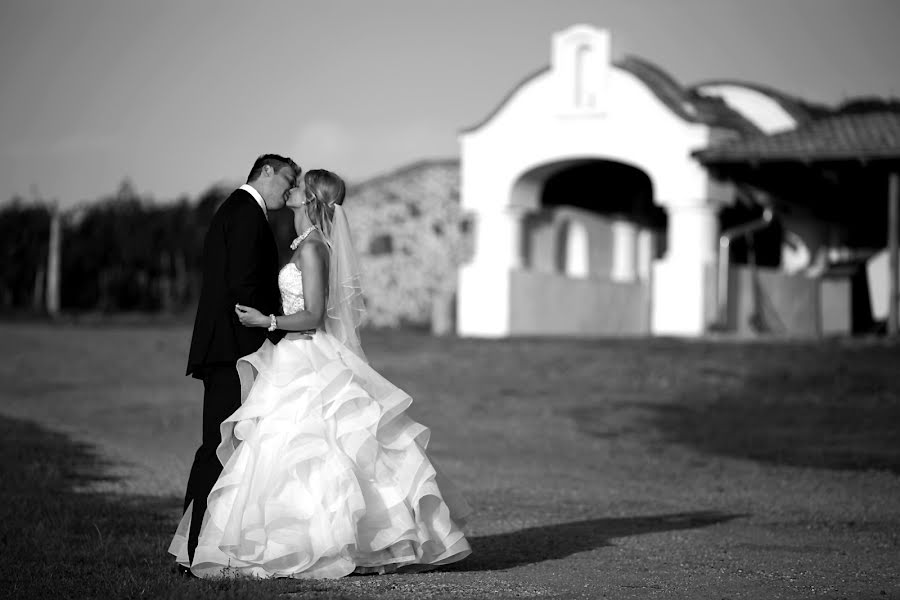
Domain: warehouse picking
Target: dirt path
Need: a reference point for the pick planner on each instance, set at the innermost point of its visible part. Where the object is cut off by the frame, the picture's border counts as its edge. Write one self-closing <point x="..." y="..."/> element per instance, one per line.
<point x="620" y="469"/>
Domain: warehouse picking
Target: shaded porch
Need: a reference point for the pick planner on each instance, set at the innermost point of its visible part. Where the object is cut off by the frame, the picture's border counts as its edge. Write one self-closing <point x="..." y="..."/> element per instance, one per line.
<point x="833" y="187"/>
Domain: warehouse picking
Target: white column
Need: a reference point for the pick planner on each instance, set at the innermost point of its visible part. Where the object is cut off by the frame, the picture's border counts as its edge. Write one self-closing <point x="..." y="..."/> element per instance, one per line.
<point x="498" y="239"/>
<point x="679" y="281"/>
<point x="484" y="284"/>
<point x="624" y="252"/>
<point x="577" y="249"/>
<point x="692" y="233"/>
<point x="644" y="254"/>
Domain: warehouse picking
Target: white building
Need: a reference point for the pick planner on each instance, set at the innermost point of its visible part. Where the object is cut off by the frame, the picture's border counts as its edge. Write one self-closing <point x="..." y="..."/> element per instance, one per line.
<point x="591" y="215"/>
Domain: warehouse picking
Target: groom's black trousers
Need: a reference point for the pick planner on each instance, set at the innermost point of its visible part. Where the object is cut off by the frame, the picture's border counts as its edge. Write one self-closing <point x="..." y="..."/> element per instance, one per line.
<point x="221" y="397"/>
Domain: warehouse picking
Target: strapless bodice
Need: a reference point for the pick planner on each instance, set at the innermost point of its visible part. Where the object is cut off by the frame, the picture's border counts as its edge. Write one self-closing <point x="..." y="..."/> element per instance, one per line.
<point x="290" y="283"/>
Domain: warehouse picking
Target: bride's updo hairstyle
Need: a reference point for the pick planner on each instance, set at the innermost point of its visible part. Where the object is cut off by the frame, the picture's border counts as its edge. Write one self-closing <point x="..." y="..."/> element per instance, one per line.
<point x="323" y="191"/>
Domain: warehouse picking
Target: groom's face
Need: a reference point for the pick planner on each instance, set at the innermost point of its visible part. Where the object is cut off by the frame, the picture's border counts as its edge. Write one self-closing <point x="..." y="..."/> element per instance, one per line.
<point x="280" y="184"/>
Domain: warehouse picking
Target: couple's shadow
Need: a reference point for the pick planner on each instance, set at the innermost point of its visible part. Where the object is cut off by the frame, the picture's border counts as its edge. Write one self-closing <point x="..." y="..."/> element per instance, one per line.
<point x="536" y="544"/>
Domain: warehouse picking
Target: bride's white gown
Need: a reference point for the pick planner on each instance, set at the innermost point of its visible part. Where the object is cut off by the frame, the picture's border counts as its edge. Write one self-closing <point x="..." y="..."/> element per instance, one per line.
<point x="324" y="473"/>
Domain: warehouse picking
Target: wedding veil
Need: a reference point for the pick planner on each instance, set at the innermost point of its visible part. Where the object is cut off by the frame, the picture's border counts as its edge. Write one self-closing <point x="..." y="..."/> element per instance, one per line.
<point x="345" y="307"/>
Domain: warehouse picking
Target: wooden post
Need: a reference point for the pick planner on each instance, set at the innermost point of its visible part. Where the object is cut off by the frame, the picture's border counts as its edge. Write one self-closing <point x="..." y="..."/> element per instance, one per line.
<point x="37" y="295"/>
<point x="52" y="296"/>
<point x="893" y="234"/>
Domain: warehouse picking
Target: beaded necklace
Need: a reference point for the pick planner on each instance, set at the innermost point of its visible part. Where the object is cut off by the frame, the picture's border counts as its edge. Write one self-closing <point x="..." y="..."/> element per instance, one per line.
<point x="302" y="236"/>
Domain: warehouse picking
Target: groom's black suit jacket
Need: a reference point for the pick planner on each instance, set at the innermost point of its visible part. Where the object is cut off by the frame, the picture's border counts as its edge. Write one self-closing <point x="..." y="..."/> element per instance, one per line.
<point x="240" y="266"/>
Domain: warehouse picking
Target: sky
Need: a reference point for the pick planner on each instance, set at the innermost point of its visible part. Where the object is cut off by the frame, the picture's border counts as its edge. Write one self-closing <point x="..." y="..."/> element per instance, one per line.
<point x="177" y="95"/>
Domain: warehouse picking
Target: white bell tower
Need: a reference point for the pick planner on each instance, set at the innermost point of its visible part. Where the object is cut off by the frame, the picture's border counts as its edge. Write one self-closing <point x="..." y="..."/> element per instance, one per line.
<point x="581" y="57"/>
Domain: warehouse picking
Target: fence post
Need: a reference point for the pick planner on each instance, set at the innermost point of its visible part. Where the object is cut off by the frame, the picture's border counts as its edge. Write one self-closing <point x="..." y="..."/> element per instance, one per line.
<point x="893" y="234"/>
<point x="53" y="268"/>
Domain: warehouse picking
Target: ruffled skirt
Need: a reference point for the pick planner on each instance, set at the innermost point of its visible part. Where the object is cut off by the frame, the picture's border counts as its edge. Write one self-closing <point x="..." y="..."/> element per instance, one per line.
<point x="324" y="475"/>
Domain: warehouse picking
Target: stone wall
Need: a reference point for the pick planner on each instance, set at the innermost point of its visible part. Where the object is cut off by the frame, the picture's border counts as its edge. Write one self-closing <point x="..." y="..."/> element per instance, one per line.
<point x="411" y="236"/>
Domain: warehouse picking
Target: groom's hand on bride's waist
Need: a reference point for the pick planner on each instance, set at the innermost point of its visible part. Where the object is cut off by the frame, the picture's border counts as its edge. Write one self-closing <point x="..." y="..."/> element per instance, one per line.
<point x="300" y="335"/>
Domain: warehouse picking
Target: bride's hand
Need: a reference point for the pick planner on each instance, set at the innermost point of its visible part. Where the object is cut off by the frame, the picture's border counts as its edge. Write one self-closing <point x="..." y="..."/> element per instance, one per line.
<point x="250" y="317"/>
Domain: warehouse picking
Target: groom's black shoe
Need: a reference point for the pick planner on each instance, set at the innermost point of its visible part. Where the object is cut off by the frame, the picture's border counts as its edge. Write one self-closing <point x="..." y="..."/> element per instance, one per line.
<point x="183" y="571"/>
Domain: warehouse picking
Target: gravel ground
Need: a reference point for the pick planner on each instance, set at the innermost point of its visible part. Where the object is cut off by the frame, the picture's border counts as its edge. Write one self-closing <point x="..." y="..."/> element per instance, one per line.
<point x="613" y="468"/>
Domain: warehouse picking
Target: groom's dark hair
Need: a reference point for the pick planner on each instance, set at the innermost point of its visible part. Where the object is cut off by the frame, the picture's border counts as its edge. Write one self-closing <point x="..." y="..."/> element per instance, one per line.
<point x="276" y="161"/>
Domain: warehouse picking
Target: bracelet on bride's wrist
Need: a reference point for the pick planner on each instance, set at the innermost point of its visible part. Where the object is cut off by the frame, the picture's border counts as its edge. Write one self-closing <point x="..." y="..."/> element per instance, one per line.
<point x="273" y="324"/>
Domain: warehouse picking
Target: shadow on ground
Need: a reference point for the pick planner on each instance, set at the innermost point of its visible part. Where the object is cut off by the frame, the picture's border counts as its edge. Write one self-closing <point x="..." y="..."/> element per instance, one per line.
<point x="61" y="540"/>
<point x="549" y="542"/>
<point x="799" y="406"/>
<point x="815" y="433"/>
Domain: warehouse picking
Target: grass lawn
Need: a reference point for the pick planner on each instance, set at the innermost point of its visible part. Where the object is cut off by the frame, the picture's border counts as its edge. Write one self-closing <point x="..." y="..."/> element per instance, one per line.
<point x="61" y="543"/>
<point x="616" y="468"/>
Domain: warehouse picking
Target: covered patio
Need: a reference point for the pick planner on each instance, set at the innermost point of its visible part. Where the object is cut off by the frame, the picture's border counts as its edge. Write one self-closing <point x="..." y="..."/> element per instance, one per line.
<point x="842" y="170"/>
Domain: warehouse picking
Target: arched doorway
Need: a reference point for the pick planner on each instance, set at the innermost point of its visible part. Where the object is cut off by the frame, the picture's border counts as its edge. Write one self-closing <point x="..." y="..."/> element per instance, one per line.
<point x="589" y="233"/>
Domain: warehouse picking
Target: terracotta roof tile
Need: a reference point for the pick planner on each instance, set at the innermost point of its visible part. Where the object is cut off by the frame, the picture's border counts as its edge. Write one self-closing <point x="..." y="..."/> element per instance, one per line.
<point x="864" y="135"/>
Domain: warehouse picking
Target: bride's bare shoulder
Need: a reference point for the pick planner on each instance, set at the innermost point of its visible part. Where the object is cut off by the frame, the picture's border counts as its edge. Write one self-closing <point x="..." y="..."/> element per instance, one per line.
<point x="313" y="249"/>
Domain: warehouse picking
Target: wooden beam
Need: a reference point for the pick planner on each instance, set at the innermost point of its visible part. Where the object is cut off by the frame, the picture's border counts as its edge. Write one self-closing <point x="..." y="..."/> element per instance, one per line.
<point x="893" y="234"/>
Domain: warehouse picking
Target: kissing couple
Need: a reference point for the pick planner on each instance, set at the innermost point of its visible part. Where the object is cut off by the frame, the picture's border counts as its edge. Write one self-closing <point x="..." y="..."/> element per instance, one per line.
<point x="309" y="466"/>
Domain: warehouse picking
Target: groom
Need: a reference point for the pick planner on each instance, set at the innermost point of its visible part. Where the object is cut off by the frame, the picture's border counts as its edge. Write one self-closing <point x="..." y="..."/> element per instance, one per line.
<point x="240" y="266"/>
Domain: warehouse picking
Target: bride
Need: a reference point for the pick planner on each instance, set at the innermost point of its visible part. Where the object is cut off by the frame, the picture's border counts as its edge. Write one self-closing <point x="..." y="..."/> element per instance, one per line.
<point x="324" y="473"/>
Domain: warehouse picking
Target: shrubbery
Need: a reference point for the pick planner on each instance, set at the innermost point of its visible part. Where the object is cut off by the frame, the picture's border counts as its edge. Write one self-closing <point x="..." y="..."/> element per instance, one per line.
<point x="127" y="252"/>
